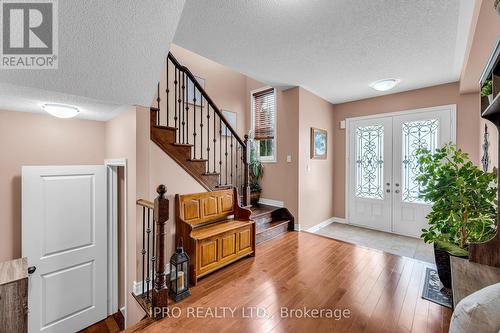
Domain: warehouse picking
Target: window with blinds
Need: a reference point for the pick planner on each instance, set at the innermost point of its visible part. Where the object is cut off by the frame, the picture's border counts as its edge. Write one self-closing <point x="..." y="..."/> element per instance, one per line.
<point x="264" y="121"/>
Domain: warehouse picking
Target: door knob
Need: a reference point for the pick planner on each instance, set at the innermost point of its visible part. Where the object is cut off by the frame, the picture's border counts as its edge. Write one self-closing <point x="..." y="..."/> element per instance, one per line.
<point x="31" y="269"/>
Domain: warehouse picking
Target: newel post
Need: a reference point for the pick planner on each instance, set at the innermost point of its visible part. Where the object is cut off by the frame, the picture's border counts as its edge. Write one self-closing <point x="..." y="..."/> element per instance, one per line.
<point x="160" y="291"/>
<point x="246" y="185"/>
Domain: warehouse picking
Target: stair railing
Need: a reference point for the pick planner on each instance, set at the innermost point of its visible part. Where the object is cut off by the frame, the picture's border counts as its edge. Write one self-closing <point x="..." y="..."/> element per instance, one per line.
<point x="185" y="105"/>
<point x="154" y="290"/>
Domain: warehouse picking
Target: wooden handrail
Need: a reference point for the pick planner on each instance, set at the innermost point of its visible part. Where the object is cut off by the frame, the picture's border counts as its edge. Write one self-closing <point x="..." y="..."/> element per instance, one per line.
<point x="205" y="95"/>
<point x="145" y="203"/>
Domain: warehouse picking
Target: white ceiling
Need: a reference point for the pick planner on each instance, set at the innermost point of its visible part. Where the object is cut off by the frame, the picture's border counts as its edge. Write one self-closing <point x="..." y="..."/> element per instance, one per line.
<point x="334" y="48"/>
<point x="111" y="53"/>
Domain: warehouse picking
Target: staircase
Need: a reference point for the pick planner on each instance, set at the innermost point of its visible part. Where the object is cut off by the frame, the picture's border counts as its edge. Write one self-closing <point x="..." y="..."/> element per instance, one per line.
<point x="188" y="126"/>
<point x="270" y="222"/>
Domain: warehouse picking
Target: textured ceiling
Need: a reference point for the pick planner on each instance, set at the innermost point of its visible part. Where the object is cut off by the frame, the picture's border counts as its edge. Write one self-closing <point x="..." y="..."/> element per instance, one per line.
<point x="333" y="48"/>
<point x="111" y="53"/>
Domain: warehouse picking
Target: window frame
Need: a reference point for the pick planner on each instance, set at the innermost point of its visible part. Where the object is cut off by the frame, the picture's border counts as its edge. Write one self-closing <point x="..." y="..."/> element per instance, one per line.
<point x="266" y="159"/>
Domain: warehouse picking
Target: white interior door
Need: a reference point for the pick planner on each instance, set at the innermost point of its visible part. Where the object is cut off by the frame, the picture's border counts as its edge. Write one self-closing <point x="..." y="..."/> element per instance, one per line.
<point x="64" y="235"/>
<point x="369" y="163"/>
<point x="429" y="130"/>
<point x="381" y="167"/>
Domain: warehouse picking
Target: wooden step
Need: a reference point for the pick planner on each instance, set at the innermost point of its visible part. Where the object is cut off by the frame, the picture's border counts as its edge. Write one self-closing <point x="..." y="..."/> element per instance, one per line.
<point x="166" y="127"/>
<point x="270" y="230"/>
<point x="182" y="144"/>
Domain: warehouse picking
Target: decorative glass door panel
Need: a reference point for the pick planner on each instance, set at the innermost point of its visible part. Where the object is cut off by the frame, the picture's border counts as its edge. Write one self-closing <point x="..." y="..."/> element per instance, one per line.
<point x="368" y="187"/>
<point x="370" y="162"/>
<point x="429" y="130"/>
<point x="420" y="134"/>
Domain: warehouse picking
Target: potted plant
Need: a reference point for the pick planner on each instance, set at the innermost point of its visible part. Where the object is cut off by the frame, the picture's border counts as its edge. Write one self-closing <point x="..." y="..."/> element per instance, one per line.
<point x="256" y="172"/>
<point x="487" y="91"/>
<point x="464" y="204"/>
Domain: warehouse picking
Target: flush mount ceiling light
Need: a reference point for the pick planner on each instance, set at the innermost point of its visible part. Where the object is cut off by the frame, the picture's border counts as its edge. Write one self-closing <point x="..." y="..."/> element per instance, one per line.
<point x="385" y="84"/>
<point x="61" y="111"/>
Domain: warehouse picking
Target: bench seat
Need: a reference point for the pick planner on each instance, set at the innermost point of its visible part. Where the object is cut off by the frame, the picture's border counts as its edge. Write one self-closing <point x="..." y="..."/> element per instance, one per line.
<point x="215" y="230"/>
<point x="218" y="228"/>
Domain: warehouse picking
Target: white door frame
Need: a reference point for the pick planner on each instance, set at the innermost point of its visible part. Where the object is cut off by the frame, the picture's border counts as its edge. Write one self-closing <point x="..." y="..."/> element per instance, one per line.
<point x="112" y="195"/>
<point x="348" y="121"/>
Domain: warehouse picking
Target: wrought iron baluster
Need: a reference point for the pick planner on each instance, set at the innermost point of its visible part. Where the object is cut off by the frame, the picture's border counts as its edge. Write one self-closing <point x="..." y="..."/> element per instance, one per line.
<point x="231" y="150"/>
<point x="148" y="276"/>
<point x="225" y="153"/>
<point x="201" y="127"/>
<point x="153" y="252"/>
<point x="208" y="137"/>
<point x="215" y="142"/>
<point x="167" y="90"/>
<point x="236" y="166"/>
<point x="194" y="121"/>
<point x="143" y="251"/>
<point x="183" y="106"/>
<point x="158" y="103"/>
<point x="176" y="103"/>
<point x="220" y="150"/>
<point x="187" y="109"/>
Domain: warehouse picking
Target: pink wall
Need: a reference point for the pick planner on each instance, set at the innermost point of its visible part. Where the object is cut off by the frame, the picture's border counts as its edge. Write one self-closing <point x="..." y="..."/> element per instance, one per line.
<point x="483" y="36"/>
<point x="316" y="186"/>
<point x="36" y="139"/>
<point x="122" y="141"/>
<point x="468" y="123"/>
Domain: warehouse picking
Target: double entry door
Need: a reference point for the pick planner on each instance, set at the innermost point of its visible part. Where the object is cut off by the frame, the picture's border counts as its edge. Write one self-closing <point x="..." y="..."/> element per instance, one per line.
<point x="382" y="192"/>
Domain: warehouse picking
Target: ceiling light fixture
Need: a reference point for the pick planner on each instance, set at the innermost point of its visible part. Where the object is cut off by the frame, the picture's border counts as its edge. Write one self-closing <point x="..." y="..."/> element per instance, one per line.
<point x="61" y="111"/>
<point x="385" y="84"/>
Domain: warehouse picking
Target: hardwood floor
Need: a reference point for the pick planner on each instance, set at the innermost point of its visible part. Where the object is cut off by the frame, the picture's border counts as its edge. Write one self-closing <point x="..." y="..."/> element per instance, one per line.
<point x="112" y="324"/>
<point x="296" y="270"/>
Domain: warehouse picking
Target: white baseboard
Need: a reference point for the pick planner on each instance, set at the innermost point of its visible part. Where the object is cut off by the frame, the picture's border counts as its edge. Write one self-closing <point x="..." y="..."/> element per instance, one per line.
<point x="271" y="202"/>
<point x="137" y="285"/>
<point x="296" y="227"/>
<point x="122" y="310"/>
<point x="327" y="222"/>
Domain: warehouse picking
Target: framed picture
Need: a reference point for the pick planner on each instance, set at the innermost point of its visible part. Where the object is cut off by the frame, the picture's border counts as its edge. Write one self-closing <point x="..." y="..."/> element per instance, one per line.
<point x="231" y="118"/>
<point x="192" y="91"/>
<point x="319" y="140"/>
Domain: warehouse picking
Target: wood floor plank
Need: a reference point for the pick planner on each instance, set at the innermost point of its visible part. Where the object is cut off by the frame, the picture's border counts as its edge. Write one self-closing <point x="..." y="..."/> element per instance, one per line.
<point x="300" y="270"/>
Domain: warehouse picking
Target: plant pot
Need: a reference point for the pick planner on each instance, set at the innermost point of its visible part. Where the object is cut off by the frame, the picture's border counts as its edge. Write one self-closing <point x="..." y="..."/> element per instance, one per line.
<point x="254" y="198"/>
<point x="443" y="265"/>
<point x="490" y="97"/>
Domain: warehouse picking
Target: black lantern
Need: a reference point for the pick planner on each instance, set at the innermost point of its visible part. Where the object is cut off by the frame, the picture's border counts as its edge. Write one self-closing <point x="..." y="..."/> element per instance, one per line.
<point x="179" y="274"/>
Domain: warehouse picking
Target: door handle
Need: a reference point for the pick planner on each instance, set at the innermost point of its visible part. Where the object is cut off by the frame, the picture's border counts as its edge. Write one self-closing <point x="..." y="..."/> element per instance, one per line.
<point x="31" y="270"/>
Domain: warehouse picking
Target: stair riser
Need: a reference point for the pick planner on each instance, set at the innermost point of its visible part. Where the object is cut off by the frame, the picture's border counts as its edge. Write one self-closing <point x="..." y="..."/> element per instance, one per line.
<point x="271" y="233"/>
<point x="261" y="220"/>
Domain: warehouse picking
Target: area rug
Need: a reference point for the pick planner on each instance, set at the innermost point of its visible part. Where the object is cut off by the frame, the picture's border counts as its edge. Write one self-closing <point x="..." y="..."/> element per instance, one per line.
<point x="434" y="290"/>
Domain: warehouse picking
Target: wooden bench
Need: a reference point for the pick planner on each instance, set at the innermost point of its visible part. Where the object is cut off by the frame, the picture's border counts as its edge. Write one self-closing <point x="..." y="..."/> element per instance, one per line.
<point x="215" y="230"/>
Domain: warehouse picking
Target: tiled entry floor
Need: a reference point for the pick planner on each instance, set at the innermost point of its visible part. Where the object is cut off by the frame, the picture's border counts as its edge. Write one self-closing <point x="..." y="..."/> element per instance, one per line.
<point x="391" y="243"/>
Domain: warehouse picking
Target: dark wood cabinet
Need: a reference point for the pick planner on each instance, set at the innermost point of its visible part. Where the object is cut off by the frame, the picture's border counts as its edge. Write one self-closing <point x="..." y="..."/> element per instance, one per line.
<point x="14" y="296"/>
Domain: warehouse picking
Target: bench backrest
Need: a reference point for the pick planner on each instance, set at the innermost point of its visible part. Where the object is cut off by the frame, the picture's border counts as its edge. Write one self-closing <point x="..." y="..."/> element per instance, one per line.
<point x="201" y="208"/>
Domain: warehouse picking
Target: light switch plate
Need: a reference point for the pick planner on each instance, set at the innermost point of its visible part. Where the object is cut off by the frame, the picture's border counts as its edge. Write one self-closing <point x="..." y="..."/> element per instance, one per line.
<point x="342" y="124"/>
<point x="289" y="158"/>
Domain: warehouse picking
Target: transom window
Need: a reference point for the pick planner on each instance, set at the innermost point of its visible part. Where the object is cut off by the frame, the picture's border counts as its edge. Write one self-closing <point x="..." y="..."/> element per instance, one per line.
<point x="264" y="123"/>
